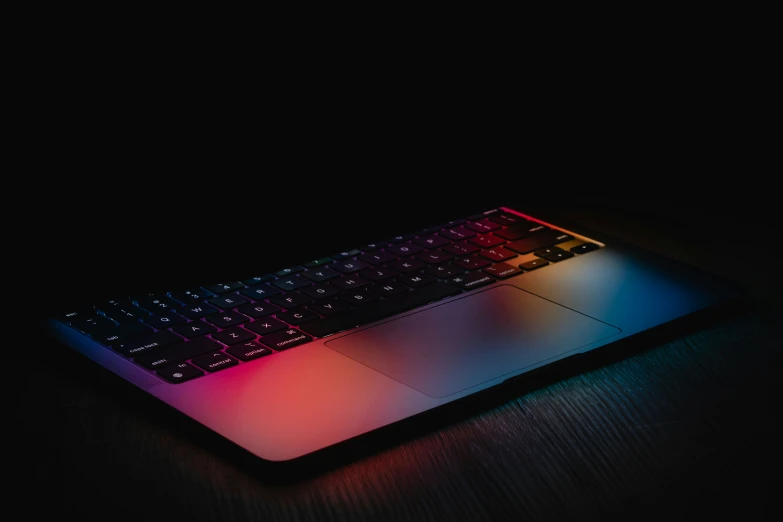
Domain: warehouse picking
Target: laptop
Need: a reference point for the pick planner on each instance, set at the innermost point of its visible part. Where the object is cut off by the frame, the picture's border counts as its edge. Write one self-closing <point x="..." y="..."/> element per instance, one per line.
<point x="326" y="349"/>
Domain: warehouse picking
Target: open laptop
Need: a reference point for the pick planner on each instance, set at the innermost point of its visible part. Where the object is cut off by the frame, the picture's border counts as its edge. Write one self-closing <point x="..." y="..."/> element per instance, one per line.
<point x="293" y="361"/>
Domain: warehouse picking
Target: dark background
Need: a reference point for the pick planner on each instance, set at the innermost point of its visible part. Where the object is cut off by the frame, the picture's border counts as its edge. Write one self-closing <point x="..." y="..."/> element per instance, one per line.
<point x="125" y="201"/>
<point x="679" y="426"/>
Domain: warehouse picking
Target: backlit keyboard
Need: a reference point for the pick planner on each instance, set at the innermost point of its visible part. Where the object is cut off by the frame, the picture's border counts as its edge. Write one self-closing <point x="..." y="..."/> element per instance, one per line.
<point x="185" y="334"/>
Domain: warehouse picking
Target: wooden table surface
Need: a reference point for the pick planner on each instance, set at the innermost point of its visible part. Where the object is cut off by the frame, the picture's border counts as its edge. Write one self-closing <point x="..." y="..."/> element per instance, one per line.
<point x="678" y="426"/>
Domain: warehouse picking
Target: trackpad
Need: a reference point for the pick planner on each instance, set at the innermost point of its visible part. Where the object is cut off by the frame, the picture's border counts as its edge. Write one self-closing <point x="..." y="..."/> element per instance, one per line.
<point x="457" y="345"/>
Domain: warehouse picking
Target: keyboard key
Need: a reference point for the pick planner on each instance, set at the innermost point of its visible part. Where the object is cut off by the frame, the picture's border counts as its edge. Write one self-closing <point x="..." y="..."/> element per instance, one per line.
<point x="379" y="257"/>
<point x="259" y="309"/>
<point x="502" y="270"/>
<point x="145" y="343"/>
<point x="288" y="271"/>
<point x="559" y="256"/>
<point x="291" y="300"/>
<point x="214" y="362"/>
<point x="260" y="291"/>
<point x="585" y="248"/>
<point x="483" y="225"/>
<point x="377" y="274"/>
<point x="121" y="332"/>
<point x="401" y="239"/>
<point x="372" y="247"/>
<point x="177" y="352"/>
<point x="506" y="219"/>
<point x="318" y="262"/>
<point x="404" y="249"/>
<point x="389" y="288"/>
<point x="350" y="282"/>
<point x="416" y="280"/>
<point x="259" y="279"/>
<point x="458" y="234"/>
<point x="92" y="323"/>
<point x="232" y="336"/>
<point x="222" y="288"/>
<point x="291" y="283"/>
<point x="74" y="314"/>
<point x="321" y="291"/>
<point x="407" y="265"/>
<point x="297" y="316"/>
<point x="346" y="254"/>
<point x="540" y="240"/>
<point x="482" y="215"/>
<point x="285" y="339"/>
<point x="157" y="303"/>
<point x="532" y="265"/>
<point x="454" y="223"/>
<point x="429" y="230"/>
<point x="265" y="326"/>
<point x="472" y="280"/>
<point x="433" y="241"/>
<point x="538" y="227"/>
<point x="472" y="262"/>
<point x="163" y="321"/>
<point x="388" y="307"/>
<point x="359" y="298"/>
<point x="320" y="274"/>
<point x="445" y="270"/>
<point x="226" y="319"/>
<point x="122" y="311"/>
<point x="194" y="329"/>
<point x="487" y="241"/>
<point x="520" y="230"/>
<point x="546" y="251"/>
<point x="249" y="351"/>
<point x="498" y="254"/>
<point x="348" y="266"/>
<point x="195" y="311"/>
<point x="434" y="257"/>
<point x="462" y="249"/>
<point x="191" y="296"/>
<point x="327" y="306"/>
<point x="177" y="373"/>
<point x="227" y="301"/>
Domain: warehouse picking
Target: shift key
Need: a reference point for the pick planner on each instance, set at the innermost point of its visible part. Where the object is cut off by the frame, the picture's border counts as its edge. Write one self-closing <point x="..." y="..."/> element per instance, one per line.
<point x="178" y="352"/>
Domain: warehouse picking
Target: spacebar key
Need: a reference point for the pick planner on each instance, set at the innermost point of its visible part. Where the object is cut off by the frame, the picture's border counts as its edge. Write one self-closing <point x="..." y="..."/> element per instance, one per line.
<point x="378" y="310"/>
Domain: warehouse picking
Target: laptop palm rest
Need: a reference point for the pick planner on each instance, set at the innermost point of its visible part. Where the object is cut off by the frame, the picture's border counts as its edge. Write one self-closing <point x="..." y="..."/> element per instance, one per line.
<point x="460" y="344"/>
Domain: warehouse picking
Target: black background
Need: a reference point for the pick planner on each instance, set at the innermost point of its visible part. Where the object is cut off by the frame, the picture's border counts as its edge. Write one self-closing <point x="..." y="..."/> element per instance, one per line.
<point x="130" y="186"/>
<point x="132" y="200"/>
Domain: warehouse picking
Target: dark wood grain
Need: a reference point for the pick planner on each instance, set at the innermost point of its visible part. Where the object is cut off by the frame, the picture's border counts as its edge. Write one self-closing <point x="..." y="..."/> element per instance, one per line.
<point x="679" y="426"/>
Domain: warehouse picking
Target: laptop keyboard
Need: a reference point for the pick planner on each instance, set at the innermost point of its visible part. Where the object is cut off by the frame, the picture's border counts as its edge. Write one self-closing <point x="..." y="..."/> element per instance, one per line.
<point x="186" y="334"/>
